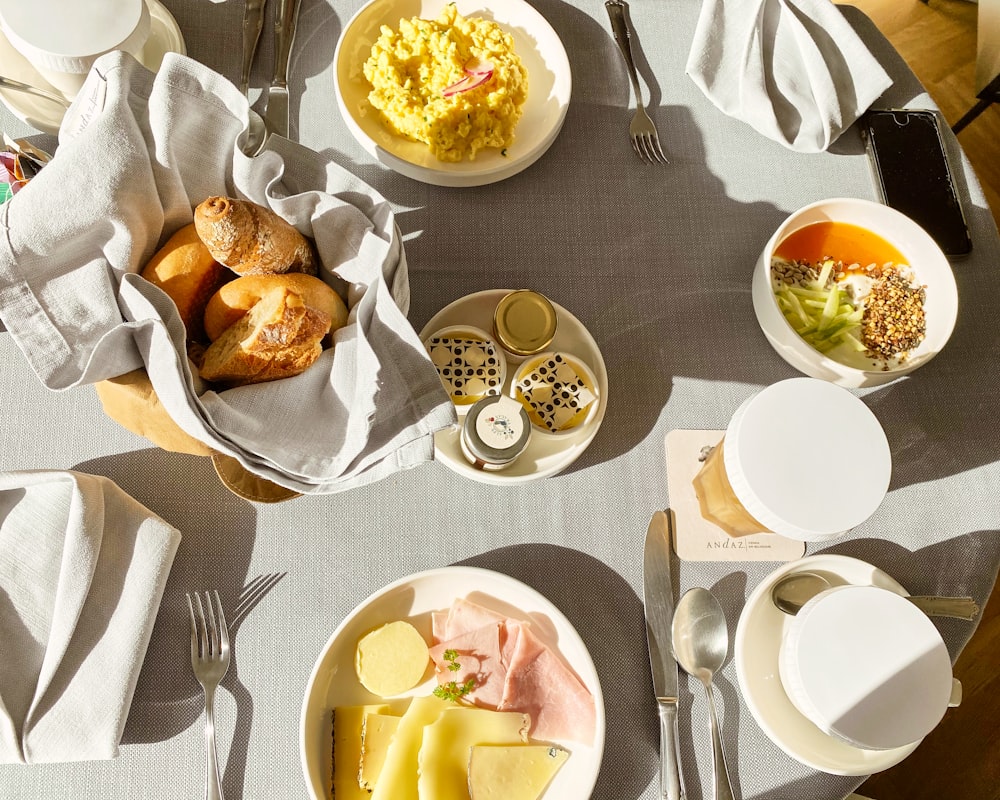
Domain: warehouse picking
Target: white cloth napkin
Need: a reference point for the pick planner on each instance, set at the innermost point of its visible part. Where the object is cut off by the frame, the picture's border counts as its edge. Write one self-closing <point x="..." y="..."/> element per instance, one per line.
<point x="82" y="571"/>
<point x="137" y="153"/>
<point x="794" y="70"/>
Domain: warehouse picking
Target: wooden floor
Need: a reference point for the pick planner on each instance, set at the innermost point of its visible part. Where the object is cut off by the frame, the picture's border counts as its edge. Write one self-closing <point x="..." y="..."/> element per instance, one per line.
<point x="960" y="760"/>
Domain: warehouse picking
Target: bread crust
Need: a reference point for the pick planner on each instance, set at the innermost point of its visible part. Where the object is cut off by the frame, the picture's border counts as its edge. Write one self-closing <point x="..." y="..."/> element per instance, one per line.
<point x="185" y="269"/>
<point x="251" y="239"/>
<point x="237" y="297"/>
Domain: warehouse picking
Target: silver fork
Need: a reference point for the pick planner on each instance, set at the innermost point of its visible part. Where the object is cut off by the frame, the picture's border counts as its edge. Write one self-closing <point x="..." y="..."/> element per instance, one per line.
<point x="645" y="139"/>
<point x="210" y="661"/>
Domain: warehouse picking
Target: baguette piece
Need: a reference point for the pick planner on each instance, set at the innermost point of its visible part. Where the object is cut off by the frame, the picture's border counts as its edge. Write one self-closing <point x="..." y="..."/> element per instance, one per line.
<point x="279" y="337"/>
<point x="237" y="297"/>
<point x="187" y="272"/>
<point x="251" y="239"/>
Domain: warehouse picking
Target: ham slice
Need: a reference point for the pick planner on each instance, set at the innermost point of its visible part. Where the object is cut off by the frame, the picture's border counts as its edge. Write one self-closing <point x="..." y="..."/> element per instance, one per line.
<point x="514" y="671"/>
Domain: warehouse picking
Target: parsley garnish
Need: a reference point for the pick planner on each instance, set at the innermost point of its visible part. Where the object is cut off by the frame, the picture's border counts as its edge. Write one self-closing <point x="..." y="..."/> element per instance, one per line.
<point x="453" y="690"/>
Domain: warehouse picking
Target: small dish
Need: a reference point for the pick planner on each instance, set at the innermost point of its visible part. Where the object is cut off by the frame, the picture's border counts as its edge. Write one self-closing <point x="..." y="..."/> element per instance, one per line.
<point x="469" y="362"/>
<point x="46" y="116"/>
<point x="549" y="89"/>
<point x="929" y="266"/>
<point x="759" y="634"/>
<point x="333" y="683"/>
<point x="545" y="455"/>
<point x="556" y="389"/>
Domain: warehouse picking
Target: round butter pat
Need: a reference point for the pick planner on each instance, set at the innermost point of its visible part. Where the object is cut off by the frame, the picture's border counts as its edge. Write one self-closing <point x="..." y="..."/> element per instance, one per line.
<point x="392" y="659"/>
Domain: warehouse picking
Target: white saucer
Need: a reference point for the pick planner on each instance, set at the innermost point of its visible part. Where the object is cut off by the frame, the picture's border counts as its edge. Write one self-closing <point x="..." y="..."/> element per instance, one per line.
<point x="45" y="115"/>
<point x="758" y="639"/>
<point x="546" y="455"/>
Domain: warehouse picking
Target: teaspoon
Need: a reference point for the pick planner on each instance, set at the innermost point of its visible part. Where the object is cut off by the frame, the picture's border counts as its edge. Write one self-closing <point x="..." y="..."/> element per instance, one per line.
<point x="17" y="86"/>
<point x="796" y="589"/>
<point x="701" y="642"/>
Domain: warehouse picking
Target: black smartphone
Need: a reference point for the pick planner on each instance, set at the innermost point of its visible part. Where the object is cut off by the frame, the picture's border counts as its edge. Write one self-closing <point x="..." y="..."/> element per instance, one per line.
<point x="913" y="174"/>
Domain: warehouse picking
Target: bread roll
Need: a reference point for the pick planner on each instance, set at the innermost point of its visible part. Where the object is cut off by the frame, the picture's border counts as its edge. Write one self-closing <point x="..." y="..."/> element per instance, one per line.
<point x="251" y="239"/>
<point x="279" y="337"/>
<point x="237" y="297"/>
<point x="187" y="272"/>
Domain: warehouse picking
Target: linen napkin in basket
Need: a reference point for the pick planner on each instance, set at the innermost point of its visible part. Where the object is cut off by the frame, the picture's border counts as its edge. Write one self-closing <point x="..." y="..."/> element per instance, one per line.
<point x="82" y="571"/>
<point x="137" y="153"/>
<point x="794" y="70"/>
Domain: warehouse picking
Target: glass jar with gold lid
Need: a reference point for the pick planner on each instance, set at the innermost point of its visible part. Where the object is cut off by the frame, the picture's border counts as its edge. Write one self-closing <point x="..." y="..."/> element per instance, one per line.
<point x="524" y="323"/>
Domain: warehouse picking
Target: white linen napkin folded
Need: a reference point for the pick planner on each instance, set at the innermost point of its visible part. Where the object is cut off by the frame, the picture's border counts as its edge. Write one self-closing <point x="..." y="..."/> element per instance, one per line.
<point x="795" y="70"/>
<point x="82" y="571"/>
<point x="137" y="153"/>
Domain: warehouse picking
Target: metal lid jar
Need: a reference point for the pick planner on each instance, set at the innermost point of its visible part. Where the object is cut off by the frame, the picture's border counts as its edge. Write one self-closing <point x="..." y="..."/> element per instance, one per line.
<point x="524" y="323"/>
<point x="496" y="431"/>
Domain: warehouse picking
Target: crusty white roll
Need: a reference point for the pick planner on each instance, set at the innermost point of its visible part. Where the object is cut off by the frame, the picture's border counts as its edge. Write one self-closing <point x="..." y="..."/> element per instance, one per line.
<point x="237" y="297"/>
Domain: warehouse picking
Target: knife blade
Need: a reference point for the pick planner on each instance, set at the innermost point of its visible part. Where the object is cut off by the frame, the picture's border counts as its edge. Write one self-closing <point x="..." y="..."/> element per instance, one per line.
<point x="658" y="599"/>
<point x="276" y="114"/>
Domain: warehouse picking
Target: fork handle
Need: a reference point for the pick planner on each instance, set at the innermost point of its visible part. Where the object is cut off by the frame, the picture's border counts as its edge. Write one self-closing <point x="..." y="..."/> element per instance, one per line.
<point x="213" y="781"/>
<point x="618" y="11"/>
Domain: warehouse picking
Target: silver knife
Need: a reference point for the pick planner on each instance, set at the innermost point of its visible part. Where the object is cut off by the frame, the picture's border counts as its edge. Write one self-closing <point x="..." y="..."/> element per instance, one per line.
<point x="276" y="114"/>
<point x="253" y="22"/>
<point x="658" y="598"/>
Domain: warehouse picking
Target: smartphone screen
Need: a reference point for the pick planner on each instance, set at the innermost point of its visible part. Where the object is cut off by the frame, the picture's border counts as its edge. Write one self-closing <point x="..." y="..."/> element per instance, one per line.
<point x="914" y="175"/>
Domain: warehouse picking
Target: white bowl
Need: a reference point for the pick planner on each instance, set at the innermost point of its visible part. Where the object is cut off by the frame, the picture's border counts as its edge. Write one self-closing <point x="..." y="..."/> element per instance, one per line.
<point x="549" y="88"/>
<point x="866" y="666"/>
<point x="930" y="268"/>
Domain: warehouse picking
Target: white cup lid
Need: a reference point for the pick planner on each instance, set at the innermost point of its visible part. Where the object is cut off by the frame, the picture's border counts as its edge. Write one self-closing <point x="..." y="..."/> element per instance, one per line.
<point x="807" y="459"/>
<point x="867" y="666"/>
<point x="66" y="35"/>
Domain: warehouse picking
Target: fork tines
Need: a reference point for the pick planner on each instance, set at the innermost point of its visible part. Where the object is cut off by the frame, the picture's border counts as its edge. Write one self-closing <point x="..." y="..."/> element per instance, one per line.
<point x="648" y="148"/>
<point x="209" y="632"/>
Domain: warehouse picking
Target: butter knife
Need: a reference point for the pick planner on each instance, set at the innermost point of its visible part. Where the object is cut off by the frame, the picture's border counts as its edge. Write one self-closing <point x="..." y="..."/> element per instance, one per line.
<point x="658" y="599"/>
<point x="276" y="114"/>
<point x="253" y="23"/>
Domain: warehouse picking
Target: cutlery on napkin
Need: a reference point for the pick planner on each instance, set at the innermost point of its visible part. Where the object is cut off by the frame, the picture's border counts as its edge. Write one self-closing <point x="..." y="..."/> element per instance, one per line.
<point x="795" y="70"/>
<point x="82" y="571"/>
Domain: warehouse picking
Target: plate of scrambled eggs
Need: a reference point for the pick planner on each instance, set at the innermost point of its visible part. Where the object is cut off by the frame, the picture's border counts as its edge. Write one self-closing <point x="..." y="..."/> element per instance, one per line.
<point x="461" y="93"/>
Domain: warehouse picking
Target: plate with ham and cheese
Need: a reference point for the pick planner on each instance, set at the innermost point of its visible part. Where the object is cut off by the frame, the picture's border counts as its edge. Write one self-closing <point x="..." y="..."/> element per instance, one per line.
<point x="509" y="703"/>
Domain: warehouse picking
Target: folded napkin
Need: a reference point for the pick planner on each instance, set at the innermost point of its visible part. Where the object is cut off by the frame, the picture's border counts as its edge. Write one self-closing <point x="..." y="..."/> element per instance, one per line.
<point x="82" y="571"/>
<point x="794" y="70"/>
<point x="137" y="153"/>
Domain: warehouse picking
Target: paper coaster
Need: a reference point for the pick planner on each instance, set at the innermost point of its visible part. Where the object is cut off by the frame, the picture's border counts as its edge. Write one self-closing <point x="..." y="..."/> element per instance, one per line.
<point x="697" y="539"/>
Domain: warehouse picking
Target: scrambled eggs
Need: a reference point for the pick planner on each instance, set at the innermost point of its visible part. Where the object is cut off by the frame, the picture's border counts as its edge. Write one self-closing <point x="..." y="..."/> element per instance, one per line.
<point x="410" y="71"/>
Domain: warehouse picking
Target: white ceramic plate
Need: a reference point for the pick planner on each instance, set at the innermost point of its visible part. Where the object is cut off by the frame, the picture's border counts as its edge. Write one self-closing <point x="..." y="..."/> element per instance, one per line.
<point x="758" y="640"/>
<point x="549" y="88"/>
<point x="46" y="116"/>
<point x="333" y="681"/>
<point x="545" y="455"/>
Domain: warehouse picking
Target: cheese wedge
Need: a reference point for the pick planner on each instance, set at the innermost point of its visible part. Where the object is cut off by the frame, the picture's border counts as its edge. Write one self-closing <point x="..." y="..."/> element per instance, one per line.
<point x="377" y="731"/>
<point x="444" y="754"/>
<point x="347" y="725"/>
<point x="518" y="772"/>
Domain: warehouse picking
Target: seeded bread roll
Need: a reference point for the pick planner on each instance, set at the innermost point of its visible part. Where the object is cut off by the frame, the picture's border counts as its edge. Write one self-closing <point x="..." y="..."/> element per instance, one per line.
<point x="187" y="272"/>
<point x="237" y="297"/>
<point x="279" y="337"/>
<point x="251" y="239"/>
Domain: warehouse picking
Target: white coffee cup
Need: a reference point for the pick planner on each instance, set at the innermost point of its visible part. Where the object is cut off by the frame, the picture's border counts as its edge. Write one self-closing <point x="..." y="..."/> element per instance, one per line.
<point x="63" y="38"/>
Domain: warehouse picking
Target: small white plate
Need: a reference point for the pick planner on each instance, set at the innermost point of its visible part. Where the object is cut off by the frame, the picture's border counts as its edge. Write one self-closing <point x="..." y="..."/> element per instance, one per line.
<point x="758" y="640"/>
<point x="333" y="681"/>
<point x="45" y="115"/>
<point x="546" y="454"/>
<point x="549" y="89"/>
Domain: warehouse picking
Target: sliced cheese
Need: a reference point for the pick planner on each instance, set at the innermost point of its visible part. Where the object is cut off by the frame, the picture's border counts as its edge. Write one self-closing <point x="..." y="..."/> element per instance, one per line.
<point x="391" y="659"/>
<point x="377" y="731"/>
<point x="398" y="779"/>
<point x="444" y="754"/>
<point x="518" y="772"/>
<point x="347" y="725"/>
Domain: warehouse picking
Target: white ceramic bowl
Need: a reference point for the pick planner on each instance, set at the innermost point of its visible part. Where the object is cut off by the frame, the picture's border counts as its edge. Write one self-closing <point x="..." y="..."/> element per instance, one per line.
<point x="866" y="666"/>
<point x="549" y="88"/>
<point x="930" y="268"/>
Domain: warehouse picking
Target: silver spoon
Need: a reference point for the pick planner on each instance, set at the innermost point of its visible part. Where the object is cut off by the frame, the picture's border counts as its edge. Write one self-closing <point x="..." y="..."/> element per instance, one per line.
<point x="701" y="642"/>
<point x="17" y="86"/>
<point x="796" y="589"/>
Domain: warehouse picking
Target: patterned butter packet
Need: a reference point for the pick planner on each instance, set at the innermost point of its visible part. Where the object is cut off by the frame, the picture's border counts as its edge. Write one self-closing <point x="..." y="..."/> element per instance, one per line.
<point x="557" y="391"/>
<point x="470" y="367"/>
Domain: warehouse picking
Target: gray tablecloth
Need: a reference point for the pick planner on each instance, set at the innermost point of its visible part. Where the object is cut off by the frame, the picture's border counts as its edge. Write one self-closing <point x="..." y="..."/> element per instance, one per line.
<point x="656" y="261"/>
